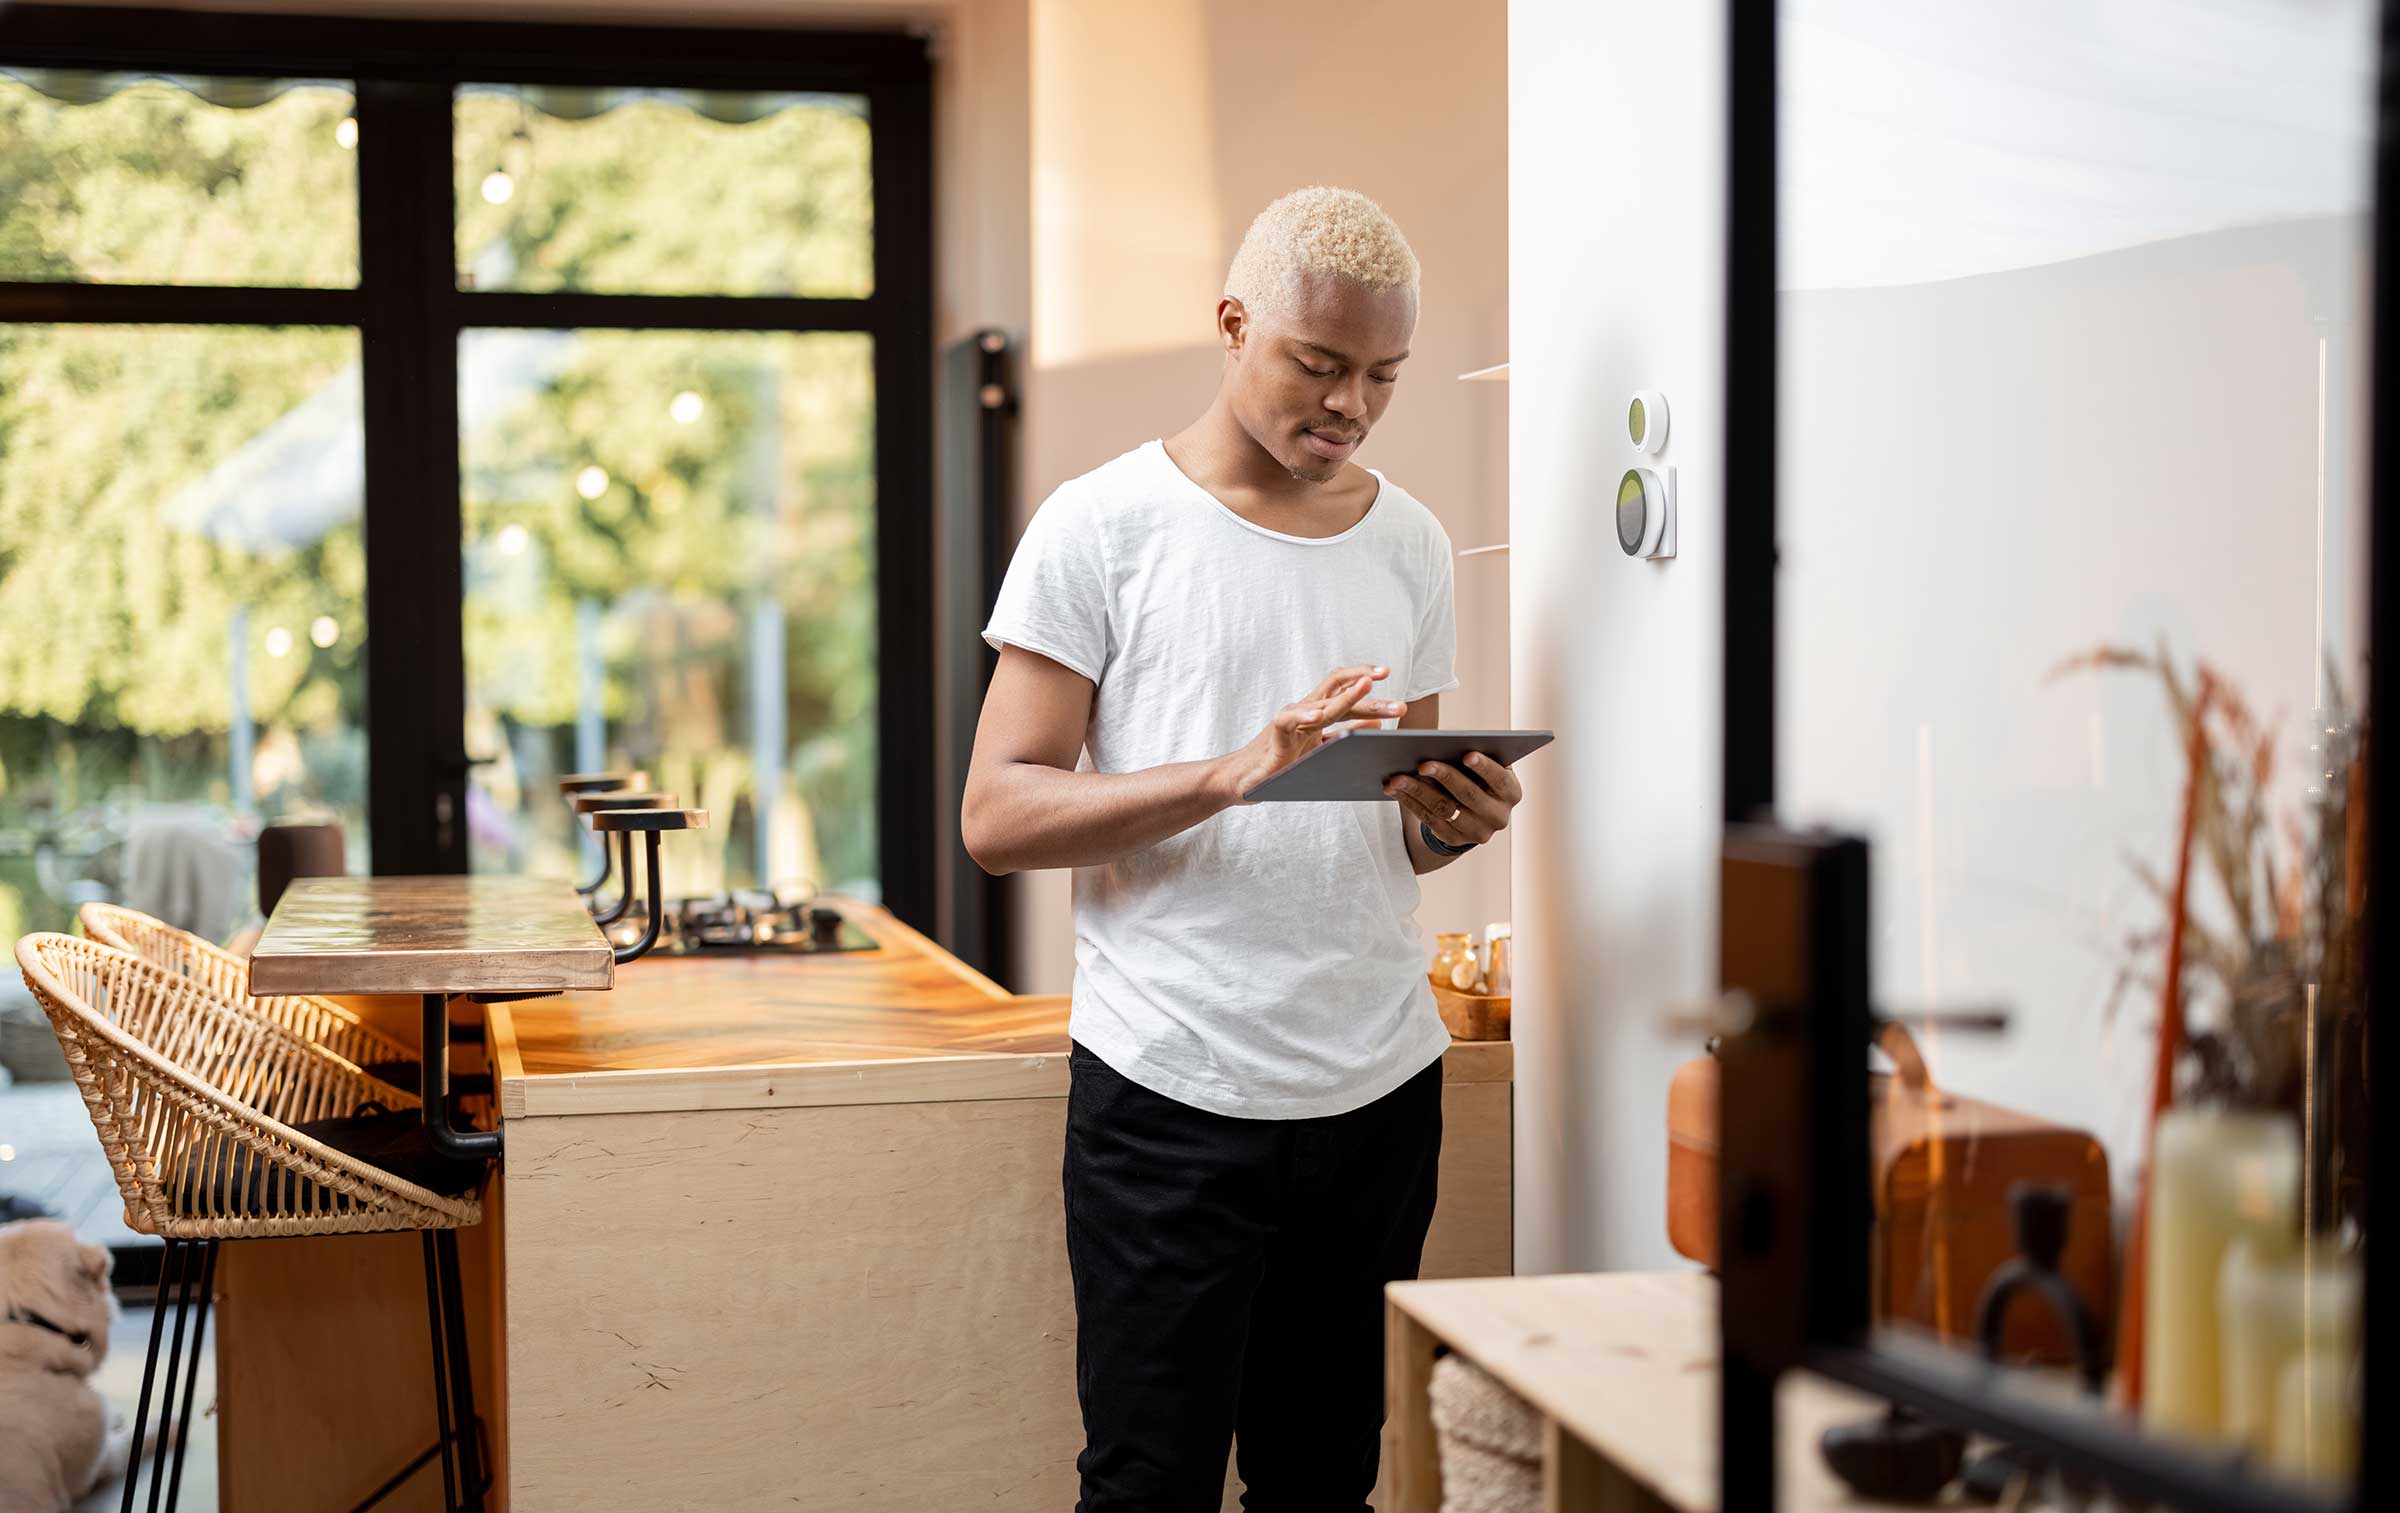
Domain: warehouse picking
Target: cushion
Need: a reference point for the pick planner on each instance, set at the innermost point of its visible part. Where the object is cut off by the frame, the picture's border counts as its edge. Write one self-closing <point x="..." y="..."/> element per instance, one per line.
<point x="393" y="1142"/>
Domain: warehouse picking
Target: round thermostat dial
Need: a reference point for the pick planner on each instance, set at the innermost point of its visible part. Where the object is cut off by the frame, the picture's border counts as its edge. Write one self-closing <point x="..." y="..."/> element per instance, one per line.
<point x="1645" y="514"/>
<point x="1646" y="421"/>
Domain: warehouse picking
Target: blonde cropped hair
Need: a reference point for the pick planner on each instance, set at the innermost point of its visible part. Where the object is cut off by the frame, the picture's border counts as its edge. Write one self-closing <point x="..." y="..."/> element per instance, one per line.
<point x="1337" y="231"/>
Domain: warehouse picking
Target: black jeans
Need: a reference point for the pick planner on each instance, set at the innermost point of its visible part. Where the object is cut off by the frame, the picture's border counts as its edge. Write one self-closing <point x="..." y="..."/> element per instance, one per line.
<point x="1229" y="1283"/>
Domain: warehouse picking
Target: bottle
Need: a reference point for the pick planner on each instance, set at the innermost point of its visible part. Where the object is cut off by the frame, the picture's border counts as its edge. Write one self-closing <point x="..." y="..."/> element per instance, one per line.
<point x="1450" y="950"/>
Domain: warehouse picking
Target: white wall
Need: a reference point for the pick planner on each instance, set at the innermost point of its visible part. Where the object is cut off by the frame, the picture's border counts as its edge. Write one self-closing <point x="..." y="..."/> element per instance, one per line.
<point x="1984" y="477"/>
<point x="2112" y="391"/>
<point x="1981" y="476"/>
<point x="1616" y="191"/>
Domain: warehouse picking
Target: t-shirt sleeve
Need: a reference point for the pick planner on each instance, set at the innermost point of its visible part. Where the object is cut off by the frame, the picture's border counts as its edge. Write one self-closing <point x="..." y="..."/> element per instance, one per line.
<point x="1054" y="600"/>
<point x="1433" y="661"/>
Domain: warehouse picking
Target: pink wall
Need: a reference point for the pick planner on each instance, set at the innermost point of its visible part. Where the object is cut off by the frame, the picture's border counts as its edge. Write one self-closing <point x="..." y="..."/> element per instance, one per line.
<point x="1158" y="132"/>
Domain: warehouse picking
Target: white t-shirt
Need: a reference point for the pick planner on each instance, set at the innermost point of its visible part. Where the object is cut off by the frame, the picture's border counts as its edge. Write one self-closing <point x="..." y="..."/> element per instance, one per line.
<point x="1265" y="963"/>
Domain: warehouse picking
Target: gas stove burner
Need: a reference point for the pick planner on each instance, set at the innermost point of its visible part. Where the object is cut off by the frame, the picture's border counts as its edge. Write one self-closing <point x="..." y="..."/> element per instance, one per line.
<point x="753" y="920"/>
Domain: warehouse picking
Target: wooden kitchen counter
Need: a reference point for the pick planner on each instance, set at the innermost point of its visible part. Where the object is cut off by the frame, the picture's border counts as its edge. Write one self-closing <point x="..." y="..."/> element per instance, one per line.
<point x="899" y="1023"/>
<point x="905" y="1023"/>
<point x="778" y="1229"/>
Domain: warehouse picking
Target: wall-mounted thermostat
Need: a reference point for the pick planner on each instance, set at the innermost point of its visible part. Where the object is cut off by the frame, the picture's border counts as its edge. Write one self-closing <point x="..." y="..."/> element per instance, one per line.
<point x="1646" y="512"/>
<point x="1646" y="421"/>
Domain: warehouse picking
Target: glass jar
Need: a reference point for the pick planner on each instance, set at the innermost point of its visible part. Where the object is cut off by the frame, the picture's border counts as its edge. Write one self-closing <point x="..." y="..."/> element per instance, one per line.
<point x="1448" y="951"/>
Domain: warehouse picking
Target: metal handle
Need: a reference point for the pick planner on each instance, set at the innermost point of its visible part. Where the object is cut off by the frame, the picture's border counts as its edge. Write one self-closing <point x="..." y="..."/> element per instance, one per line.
<point x="1735" y="1012"/>
<point x="652" y="823"/>
<point x="592" y="805"/>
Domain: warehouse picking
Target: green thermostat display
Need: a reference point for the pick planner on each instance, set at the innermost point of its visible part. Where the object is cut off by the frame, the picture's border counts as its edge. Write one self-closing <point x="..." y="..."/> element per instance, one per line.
<point x="1632" y="506"/>
<point x="1646" y="513"/>
<point x="1646" y="421"/>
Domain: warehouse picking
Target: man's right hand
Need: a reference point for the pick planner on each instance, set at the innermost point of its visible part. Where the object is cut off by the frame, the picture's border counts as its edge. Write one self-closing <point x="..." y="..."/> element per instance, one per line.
<point x="1339" y="703"/>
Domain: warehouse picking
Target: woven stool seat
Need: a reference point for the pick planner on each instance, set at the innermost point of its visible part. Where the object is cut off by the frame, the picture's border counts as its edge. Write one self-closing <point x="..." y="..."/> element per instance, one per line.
<point x="319" y="1021"/>
<point x="202" y="1100"/>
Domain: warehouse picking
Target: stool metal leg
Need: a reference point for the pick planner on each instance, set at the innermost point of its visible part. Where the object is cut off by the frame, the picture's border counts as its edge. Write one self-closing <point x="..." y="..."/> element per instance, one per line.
<point x="141" y="1415"/>
<point x="183" y="1421"/>
<point x="462" y="1371"/>
<point x="441" y="1385"/>
<point x="167" y="1425"/>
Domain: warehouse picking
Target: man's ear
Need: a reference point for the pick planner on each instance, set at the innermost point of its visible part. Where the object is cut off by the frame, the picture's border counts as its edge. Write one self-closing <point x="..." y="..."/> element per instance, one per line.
<point x="1233" y="325"/>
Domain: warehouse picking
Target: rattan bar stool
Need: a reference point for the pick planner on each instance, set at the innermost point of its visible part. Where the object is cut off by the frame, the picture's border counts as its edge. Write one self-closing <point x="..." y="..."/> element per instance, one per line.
<point x="319" y="1021"/>
<point x="221" y="1124"/>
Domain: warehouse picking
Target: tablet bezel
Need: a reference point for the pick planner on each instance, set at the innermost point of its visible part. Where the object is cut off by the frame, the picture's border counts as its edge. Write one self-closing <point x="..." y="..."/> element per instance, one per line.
<point x="1351" y="766"/>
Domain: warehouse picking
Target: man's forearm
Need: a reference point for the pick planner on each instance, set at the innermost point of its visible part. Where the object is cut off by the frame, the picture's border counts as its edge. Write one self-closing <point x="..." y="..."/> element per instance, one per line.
<point x="1023" y="816"/>
<point x="1421" y="856"/>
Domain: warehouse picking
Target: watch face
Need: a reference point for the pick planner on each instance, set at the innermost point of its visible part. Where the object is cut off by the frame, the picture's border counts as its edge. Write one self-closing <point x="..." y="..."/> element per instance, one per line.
<point x="1633" y="511"/>
<point x="1637" y="421"/>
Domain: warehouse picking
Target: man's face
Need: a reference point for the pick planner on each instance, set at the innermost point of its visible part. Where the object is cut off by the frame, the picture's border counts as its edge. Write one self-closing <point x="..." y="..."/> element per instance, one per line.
<point x="1310" y="377"/>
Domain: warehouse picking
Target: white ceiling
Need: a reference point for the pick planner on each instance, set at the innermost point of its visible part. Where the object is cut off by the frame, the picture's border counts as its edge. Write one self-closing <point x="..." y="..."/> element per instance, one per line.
<point x="1933" y="139"/>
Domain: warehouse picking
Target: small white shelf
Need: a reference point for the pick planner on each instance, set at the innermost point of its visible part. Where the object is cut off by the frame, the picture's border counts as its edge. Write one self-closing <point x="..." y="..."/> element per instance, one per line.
<point x="1485" y="551"/>
<point x="1497" y="373"/>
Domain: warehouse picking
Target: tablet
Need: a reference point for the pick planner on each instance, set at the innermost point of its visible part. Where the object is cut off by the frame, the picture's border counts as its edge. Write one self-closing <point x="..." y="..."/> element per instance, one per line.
<point x="1351" y="766"/>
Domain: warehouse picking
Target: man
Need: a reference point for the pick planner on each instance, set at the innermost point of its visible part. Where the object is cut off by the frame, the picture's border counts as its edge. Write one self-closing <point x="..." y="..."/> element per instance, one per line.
<point x="1254" y="1115"/>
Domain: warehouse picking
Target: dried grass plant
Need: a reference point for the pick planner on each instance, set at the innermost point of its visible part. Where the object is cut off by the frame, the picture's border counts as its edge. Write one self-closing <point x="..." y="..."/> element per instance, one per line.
<point x="2290" y="890"/>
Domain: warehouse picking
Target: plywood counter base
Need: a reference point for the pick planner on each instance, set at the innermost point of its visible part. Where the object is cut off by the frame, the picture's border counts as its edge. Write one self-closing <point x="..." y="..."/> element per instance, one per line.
<point x="796" y="1240"/>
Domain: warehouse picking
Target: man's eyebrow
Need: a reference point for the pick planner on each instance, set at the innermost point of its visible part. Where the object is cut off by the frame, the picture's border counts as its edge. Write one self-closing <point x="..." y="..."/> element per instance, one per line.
<point x="1342" y="356"/>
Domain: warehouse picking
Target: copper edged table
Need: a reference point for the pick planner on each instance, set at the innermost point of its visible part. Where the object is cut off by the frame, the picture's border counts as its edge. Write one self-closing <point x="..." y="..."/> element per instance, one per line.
<point x="440" y="938"/>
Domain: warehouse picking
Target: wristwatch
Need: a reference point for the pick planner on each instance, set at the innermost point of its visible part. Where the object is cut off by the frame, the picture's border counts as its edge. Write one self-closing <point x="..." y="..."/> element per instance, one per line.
<point x="1440" y="847"/>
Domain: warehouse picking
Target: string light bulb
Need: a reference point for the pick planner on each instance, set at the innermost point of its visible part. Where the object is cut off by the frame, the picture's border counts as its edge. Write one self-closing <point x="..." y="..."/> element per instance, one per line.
<point x="323" y="632"/>
<point x="345" y="135"/>
<point x="279" y="642"/>
<point x="592" y="482"/>
<point x="500" y="185"/>
<point x="686" y="408"/>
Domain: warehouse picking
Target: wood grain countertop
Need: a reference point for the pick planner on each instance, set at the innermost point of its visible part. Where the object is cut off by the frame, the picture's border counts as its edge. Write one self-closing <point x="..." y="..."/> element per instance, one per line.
<point x="904" y="1023"/>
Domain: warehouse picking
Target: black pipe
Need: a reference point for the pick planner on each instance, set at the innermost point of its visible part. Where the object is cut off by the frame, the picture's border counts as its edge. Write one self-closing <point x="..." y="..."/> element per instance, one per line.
<point x="434" y="1088"/>
<point x="655" y="909"/>
<point x="625" y="865"/>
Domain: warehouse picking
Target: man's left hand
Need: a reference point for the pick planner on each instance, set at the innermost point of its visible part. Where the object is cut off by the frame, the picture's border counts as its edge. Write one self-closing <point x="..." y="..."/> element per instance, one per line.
<point x="1461" y="808"/>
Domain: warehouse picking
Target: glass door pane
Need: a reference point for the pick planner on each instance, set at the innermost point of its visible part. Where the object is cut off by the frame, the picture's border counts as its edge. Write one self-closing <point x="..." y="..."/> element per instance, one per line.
<point x="183" y="581"/>
<point x="2071" y="472"/>
<point x="125" y="179"/>
<point x="670" y="565"/>
<point x="664" y="191"/>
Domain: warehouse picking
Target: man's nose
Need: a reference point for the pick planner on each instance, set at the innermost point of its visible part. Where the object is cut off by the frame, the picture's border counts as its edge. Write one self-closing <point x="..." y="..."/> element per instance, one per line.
<point x="1348" y="399"/>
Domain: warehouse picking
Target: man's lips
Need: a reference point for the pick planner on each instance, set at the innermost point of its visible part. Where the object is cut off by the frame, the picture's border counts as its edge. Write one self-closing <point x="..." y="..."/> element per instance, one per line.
<point x="1332" y="444"/>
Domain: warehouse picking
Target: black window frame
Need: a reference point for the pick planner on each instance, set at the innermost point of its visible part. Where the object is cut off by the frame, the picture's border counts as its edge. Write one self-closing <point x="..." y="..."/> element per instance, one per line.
<point x="1794" y="1208"/>
<point x="409" y="314"/>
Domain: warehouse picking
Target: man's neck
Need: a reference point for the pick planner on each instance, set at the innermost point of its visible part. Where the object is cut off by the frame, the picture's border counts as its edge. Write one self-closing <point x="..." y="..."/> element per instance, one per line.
<point x="1216" y="453"/>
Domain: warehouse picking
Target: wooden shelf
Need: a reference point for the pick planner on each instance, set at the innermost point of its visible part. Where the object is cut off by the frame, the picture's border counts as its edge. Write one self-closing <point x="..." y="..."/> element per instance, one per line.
<point x="1622" y="1369"/>
<point x="1497" y="373"/>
